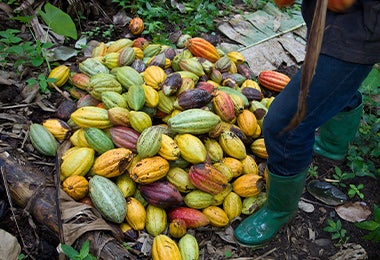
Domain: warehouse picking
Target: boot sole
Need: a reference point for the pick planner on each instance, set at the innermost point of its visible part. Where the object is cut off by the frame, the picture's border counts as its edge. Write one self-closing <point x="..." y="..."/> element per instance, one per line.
<point x="251" y="246"/>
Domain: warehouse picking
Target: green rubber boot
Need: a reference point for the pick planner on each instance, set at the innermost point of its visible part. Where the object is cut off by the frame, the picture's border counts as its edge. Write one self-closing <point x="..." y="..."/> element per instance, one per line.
<point x="283" y="194"/>
<point x="337" y="133"/>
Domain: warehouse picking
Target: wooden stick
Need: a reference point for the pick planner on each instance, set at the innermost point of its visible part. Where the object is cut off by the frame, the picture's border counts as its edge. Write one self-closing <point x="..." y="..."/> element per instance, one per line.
<point x="313" y="48"/>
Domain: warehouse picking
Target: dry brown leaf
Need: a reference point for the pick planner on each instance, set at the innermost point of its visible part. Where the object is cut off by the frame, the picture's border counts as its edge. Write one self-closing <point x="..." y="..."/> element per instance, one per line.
<point x="353" y="211"/>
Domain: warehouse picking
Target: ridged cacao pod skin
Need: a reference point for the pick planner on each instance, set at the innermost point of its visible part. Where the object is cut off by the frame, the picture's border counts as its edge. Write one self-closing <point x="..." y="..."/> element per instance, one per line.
<point x="98" y="140"/>
<point x="207" y="178"/>
<point x="169" y="148"/>
<point x="42" y="140"/>
<point x="193" y="98"/>
<point x="258" y="148"/>
<point x="235" y="165"/>
<point x="107" y="198"/>
<point x="113" y="162"/>
<point x="59" y="128"/>
<point x="136" y="26"/>
<point x="124" y="137"/>
<point x="194" y="121"/>
<point x="61" y="74"/>
<point x="139" y="120"/>
<point x="200" y="47"/>
<point x="156" y="220"/>
<point x="90" y="116"/>
<point x="77" y="161"/>
<point x="250" y="165"/>
<point x="118" y="45"/>
<point x="273" y="80"/>
<point x="171" y="84"/>
<point x="248" y="185"/>
<point x="149" y="142"/>
<point x="76" y="187"/>
<point x="136" y="213"/>
<point x="213" y="148"/>
<point x="198" y="199"/>
<point x="253" y="203"/>
<point x="119" y="116"/>
<point x="224" y="106"/>
<point x="219" y="198"/>
<point x="191" y="147"/>
<point x="193" y="218"/>
<point x="92" y="66"/>
<point x="216" y="215"/>
<point x="165" y="248"/>
<point x="236" y="57"/>
<point x="103" y="82"/>
<point x="232" y="205"/>
<point x="161" y="194"/>
<point x="232" y="145"/>
<point x="126" y="185"/>
<point x="247" y="122"/>
<point x="99" y="50"/>
<point x="180" y="179"/>
<point x="149" y="170"/>
<point x="189" y="248"/>
<point x="177" y="228"/>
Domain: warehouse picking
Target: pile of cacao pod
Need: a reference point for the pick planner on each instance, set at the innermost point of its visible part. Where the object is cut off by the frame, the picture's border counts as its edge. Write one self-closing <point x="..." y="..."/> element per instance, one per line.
<point x="163" y="139"/>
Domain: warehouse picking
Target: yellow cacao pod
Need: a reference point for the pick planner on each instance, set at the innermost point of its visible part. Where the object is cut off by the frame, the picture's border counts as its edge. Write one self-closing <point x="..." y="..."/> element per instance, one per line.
<point x="76" y="187"/>
<point x="136" y="214"/>
<point x="235" y="165"/>
<point x="247" y="122"/>
<point x="150" y="169"/>
<point x="180" y="179"/>
<point x="232" y="205"/>
<point x="77" y="161"/>
<point x="177" y="228"/>
<point x="216" y="215"/>
<point x="232" y="145"/>
<point x="248" y="185"/>
<point x="59" y="128"/>
<point x="154" y="76"/>
<point x="191" y="147"/>
<point x="90" y="116"/>
<point x="156" y="220"/>
<point x="61" y="74"/>
<point x="165" y="248"/>
<point x="126" y="185"/>
<point x="249" y="165"/>
<point x="112" y="163"/>
<point x="78" y="138"/>
<point x="169" y="148"/>
<point x="258" y="148"/>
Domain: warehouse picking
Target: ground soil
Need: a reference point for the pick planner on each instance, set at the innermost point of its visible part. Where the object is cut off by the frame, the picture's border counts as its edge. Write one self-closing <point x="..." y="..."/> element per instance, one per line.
<point x="302" y="238"/>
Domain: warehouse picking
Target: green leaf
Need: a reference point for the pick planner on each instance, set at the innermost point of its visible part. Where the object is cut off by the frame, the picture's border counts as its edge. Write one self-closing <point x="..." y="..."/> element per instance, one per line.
<point x="85" y="248"/>
<point x="368" y="225"/>
<point x="335" y="236"/>
<point x="60" y="22"/>
<point x="69" y="251"/>
<point x="376" y="213"/>
<point x="329" y="229"/>
<point x="373" y="236"/>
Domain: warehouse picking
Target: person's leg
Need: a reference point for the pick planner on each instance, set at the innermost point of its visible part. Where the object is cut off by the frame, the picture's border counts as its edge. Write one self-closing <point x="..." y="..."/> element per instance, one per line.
<point x="289" y="154"/>
<point x="336" y="134"/>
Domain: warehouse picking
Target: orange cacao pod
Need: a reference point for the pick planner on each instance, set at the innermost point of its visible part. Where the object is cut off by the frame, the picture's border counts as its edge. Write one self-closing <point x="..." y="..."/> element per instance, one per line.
<point x="273" y="80"/>
<point x="202" y="48"/>
<point x="136" y="26"/>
